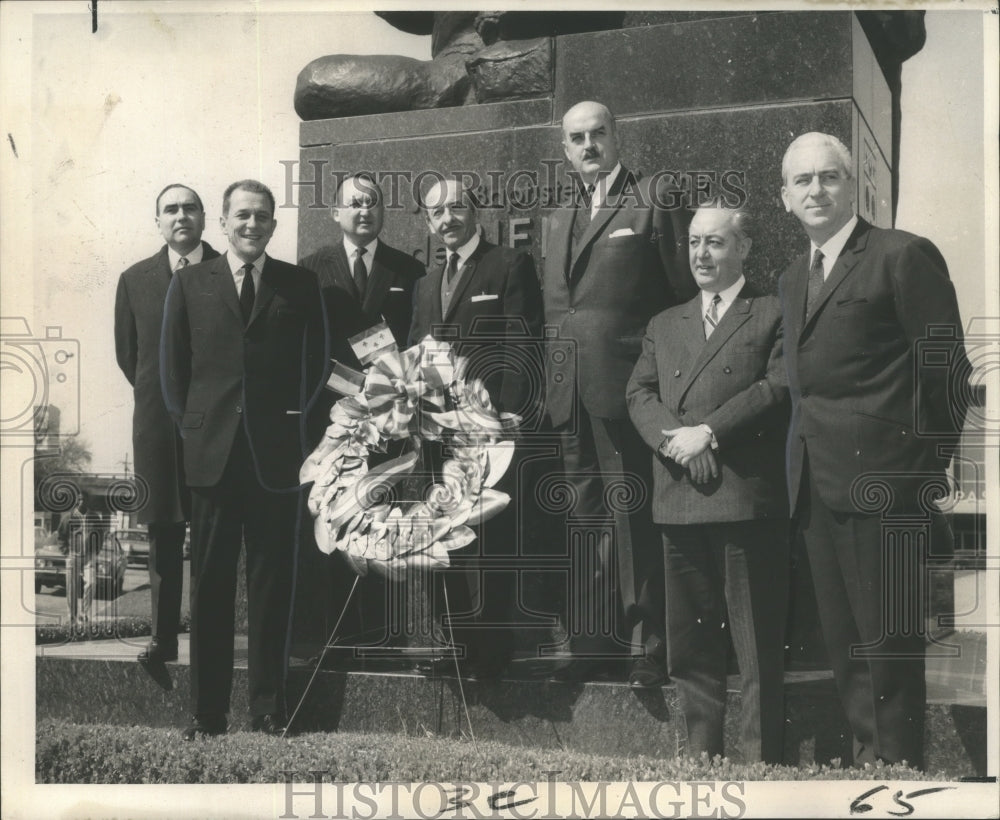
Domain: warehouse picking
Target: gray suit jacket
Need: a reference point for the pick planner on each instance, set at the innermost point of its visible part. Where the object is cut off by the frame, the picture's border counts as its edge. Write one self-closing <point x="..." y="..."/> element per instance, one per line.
<point x="735" y="382"/>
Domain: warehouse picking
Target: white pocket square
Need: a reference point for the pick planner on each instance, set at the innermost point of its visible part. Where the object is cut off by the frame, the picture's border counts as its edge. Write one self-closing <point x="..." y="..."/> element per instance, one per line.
<point x="395" y="290"/>
<point x="484" y="297"/>
<point x="621" y="232"/>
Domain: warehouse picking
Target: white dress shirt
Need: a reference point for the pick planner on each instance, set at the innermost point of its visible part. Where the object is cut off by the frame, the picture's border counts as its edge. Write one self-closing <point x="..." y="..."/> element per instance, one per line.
<point x="464" y="252"/>
<point x="193" y="258"/>
<point x="832" y="247"/>
<point x="236" y="267"/>
<point x="727" y="296"/>
<point x="603" y="185"/>
<point x="352" y="250"/>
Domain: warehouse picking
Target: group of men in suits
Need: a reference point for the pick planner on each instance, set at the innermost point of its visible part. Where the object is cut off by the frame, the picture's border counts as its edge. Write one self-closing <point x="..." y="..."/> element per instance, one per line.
<point x="732" y="412"/>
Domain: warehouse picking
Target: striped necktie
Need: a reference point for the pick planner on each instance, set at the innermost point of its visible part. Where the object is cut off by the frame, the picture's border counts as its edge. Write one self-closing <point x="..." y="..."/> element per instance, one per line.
<point x="712" y="315"/>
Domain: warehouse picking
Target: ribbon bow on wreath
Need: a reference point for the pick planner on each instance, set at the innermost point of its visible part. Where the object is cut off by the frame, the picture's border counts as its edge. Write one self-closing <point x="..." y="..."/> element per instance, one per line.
<point x="418" y="395"/>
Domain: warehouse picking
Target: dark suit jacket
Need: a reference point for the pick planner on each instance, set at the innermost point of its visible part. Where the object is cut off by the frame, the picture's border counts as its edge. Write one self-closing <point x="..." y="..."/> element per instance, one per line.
<point x="857" y="405"/>
<point x="604" y="294"/>
<point x="389" y="295"/>
<point x="216" y="375"/>
<point x="735" y="383"/>
<point x="138" y="320"/>
<point x="494" y="319"/>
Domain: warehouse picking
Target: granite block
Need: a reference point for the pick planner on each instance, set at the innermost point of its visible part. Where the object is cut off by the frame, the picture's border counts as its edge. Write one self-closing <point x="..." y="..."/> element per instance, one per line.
<point x="708" y="63"/>
<point x="599" y="718"/>
<point x="399" y="125"/>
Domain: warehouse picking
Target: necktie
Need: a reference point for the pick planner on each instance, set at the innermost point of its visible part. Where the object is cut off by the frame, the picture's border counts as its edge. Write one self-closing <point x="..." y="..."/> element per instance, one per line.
<point x="581" y="218"/>
<point x="247" y="294"/>
<point x="181" y="263"/>
<point x="450" y="272"/>
<point x="360" y="273"/>
<point x="712" y="315"/>
<point x="815" y="281"/>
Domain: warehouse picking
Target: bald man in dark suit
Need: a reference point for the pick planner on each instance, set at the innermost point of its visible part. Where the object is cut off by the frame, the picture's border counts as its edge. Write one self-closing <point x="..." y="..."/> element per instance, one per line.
<point x="614" y="260"/>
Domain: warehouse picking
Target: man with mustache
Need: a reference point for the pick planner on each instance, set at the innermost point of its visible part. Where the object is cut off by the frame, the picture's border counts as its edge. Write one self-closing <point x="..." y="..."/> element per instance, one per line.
<point x="615" y="259"/>
<point x="180" y="218"/>
<point x="485" y="301"/>
<point x="244" y="348"/>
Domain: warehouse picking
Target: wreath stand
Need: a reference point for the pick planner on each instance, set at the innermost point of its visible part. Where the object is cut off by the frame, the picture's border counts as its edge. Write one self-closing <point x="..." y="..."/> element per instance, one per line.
<point x="332" y="641"/>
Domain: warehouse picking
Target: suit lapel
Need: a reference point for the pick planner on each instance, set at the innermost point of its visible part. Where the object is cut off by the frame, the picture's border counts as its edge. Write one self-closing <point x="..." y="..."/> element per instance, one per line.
<point x="342" y="273"/>
<point x="432" y="282"/>
<point x="379" y="280"/>
<point x="161" y="268"/>
<point x="796" y="298"/>
<point x="467" y="276"/>
<point x="737" y="314"/>
<point x="849" y="257"/>
<point x="603" y="215"/>
<point x="558" y="239"/>
<point x="693" y="329"/>
<point x="223" y="286"/>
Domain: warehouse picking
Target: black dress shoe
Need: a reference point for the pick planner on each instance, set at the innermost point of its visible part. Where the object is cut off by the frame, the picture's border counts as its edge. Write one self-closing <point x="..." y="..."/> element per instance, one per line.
<point x="268" y="724"/>
<point x="205" y="726"/>
<point x="154" y="658"/>
<point x="646" y="673"/>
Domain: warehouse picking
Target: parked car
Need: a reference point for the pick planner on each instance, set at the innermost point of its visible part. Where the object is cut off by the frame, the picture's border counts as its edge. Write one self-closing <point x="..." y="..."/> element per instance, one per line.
<point x="50" y="563"/>
<point x="50" y="566"/>
<point x="135" y="543"/>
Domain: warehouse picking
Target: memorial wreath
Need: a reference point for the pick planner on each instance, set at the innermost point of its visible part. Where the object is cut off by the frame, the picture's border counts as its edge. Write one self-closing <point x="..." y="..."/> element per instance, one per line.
<point x="417" y="395"/>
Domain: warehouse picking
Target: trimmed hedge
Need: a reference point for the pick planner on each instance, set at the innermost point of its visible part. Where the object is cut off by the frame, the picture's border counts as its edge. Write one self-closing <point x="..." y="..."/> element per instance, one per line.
<point x="75" y="753"/>
<point x="98" y="629"/>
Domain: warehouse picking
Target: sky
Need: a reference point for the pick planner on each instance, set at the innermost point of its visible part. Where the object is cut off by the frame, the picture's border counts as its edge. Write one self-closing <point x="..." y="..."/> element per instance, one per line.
<point x="189" y="92"/>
